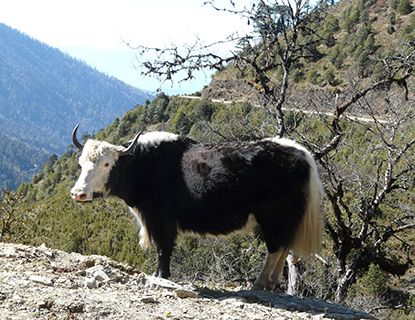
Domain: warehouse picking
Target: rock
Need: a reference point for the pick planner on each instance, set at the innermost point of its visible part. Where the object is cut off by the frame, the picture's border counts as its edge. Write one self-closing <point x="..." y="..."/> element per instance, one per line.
<point x="141" y="278"/>
<point x="76" y="307"/>
<point x="91" y="283"/>
<point x="42" y="280"/>
<point x="105" y="274"/>
<point x="149" y="300"/>
<point x="3" y="296"/>
<point x="116" y="276"/>
<point x="9" y="252"/>
<point x="45" y="304"/>
<point x="234" y="301"/>
<point x="81" y="273"/>
<point x="182" y="293"/>
<point x="45" y="250"/>
<point x="163" y="283"/>
<point x="97" y="272"/>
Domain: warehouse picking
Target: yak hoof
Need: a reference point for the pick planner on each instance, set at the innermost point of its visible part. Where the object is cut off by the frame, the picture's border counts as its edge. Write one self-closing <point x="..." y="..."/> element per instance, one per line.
<point x="161" y="274"/>
<point x="266" y="287"/>
<point x="258" y="287"/>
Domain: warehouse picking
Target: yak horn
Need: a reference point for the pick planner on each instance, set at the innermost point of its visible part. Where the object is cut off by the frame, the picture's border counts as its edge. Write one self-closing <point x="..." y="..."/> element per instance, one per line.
<point x="75" y="141"/>
<point x="130" y="148"/>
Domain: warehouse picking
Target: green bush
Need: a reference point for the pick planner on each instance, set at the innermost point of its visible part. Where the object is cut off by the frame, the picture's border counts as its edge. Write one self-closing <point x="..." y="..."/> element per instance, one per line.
<point x="404" y="7"/>
<point x="237" y="259"/>
<point x="408" y="32"/>
<point x="374" y="282"/>
<point x="351" y="17"/>
<point x="313" y="76"/>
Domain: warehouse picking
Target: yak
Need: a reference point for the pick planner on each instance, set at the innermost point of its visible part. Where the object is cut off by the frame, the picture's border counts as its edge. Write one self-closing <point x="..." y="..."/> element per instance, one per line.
<point x="173" y="184"/>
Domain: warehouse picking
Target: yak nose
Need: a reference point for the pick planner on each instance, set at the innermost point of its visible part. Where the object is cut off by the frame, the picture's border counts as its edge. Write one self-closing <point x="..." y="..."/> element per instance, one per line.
<point x="79" y="196"/>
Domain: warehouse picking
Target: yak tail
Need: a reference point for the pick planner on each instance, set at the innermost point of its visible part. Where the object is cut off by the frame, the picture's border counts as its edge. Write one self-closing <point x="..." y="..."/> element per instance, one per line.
<point x="309" y="233"/>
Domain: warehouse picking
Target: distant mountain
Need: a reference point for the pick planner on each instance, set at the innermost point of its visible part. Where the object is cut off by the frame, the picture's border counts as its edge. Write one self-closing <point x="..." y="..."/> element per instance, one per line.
<point x="43" y="94"/>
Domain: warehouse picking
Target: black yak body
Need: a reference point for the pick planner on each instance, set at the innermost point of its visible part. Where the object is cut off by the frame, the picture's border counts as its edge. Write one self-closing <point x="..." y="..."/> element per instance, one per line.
<point x="174" y="185"/>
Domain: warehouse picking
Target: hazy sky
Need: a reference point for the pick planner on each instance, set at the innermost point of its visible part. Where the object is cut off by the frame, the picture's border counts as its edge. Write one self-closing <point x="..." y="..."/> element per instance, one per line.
<point x="96" y="30"/>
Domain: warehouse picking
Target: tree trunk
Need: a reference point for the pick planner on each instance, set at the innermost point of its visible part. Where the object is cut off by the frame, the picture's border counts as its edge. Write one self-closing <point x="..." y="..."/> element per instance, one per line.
<point x="343" y="284"/>
<point x="294" y="275"/>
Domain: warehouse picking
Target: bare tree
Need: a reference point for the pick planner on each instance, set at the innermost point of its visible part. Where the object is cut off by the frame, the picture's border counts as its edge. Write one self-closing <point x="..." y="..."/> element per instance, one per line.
<point x="274" y="43"/>
<point x="367" y="214"/>
<point x="366" y="217"/>
<point x="364" y="229"/>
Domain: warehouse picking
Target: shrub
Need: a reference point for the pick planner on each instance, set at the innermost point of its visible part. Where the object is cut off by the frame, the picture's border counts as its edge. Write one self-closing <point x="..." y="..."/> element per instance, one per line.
<point x="374" y="282"/>
<point x="313" y="76"/>
<point x="237" y="259"/>
<point x="404" y="7"/>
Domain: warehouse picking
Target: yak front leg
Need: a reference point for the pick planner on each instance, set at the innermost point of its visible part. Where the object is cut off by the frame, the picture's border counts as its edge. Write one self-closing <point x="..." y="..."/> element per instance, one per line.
<point x="163" y="260"/>
<point x="165" y="241"/>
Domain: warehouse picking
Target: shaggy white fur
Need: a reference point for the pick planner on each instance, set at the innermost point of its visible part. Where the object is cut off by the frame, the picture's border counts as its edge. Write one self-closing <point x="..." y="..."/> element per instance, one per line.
<point x="309" y="234"/>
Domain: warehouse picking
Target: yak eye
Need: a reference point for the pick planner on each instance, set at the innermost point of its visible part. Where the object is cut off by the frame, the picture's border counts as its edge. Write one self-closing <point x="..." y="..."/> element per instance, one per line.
<point x="106" y="164"/>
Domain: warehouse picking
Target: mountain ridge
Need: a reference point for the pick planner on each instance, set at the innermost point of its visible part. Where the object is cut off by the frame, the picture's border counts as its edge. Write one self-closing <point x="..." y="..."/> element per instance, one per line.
<point x="44" y="93"/>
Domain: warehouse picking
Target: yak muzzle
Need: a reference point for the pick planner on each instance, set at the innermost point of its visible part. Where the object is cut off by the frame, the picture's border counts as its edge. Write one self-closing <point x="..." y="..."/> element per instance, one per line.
<point x="80" y="197"/>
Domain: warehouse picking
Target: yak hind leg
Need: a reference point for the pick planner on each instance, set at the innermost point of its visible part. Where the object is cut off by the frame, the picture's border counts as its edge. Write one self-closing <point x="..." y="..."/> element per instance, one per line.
<point x="264" y="280"/>
<point x="279" y="268"/>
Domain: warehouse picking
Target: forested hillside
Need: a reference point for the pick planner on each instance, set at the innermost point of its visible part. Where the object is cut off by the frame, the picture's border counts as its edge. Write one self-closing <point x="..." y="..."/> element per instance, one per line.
<point x="366" y="165"/>
<point x="43" y="93"/>
<point x="353" y="39"/>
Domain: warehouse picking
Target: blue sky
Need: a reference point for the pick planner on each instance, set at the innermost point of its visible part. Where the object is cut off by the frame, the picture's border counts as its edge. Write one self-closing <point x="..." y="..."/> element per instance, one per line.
<point x="95" y="31"/>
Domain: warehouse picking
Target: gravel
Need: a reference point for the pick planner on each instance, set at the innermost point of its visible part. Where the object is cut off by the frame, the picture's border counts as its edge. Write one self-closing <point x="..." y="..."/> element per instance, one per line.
<point x="41" y="283"/>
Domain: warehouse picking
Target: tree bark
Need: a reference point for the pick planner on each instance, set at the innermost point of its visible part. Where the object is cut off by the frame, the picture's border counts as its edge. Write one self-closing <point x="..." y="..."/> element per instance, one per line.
<point x="294" y="275"/>
<point x="343" y="284"/>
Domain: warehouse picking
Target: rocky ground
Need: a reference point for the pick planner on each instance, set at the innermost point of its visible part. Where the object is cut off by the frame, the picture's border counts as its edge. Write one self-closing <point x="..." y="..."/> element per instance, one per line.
<point x="41" y="283"/>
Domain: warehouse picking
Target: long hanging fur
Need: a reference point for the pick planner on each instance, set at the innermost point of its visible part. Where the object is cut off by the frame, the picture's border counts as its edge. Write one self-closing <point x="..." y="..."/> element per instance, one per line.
<point x="309" y="234"/>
